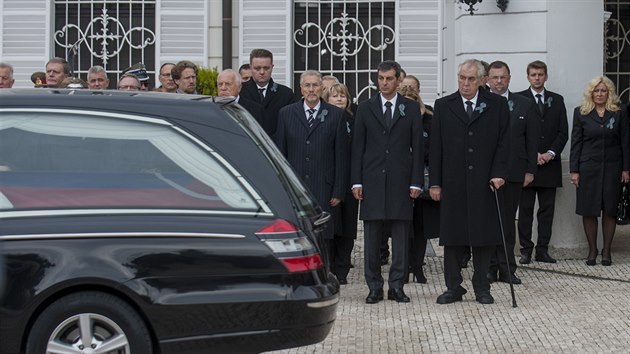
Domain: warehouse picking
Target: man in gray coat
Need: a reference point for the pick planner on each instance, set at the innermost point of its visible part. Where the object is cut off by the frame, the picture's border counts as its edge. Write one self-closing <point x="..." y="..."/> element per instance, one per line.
<point x="468" y="156"/>
<point x="387" y="175"/>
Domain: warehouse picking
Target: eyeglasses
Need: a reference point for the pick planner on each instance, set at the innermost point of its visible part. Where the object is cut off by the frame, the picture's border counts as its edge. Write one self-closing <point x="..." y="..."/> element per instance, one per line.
<point x="311" y="85"/>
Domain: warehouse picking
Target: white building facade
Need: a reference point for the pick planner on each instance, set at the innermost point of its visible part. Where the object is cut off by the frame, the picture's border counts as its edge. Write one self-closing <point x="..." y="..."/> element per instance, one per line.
<point x="348" y="38"/>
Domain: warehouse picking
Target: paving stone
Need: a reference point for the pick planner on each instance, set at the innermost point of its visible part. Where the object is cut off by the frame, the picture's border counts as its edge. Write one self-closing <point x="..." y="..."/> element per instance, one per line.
<point x="566" y="307"/>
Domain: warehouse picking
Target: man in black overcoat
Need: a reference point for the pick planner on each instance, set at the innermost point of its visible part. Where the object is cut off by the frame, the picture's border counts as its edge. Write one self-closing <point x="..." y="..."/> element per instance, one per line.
<point x="468" y="154"/>
<point x="263" y="90"/>
<point x="554" y="133"/>
<point x="387" y="175"/>
<point x="313" y="137"/>
<point x="229" y="84"/>
<point x="525" y="132"/>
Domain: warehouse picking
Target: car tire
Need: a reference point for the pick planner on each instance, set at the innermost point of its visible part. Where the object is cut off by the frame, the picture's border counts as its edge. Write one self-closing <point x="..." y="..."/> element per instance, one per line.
<point x="110" y="325"/>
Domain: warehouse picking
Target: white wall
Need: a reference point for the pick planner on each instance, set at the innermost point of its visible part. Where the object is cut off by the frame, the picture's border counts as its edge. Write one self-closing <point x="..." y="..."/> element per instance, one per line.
<point x="565" y="35"/>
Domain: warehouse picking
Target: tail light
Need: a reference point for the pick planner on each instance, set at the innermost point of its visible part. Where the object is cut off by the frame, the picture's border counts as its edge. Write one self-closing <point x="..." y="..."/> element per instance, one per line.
<point x="296" y="252"/>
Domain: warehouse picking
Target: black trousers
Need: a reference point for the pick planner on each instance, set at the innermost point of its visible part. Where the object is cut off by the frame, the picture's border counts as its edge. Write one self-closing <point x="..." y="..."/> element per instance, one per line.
<point x="374" y="233"/>
<point x="511" y="197"/>
<point x="341" y="254"/>
<point x="481" y="263"/>
<point x="546" y="207"/>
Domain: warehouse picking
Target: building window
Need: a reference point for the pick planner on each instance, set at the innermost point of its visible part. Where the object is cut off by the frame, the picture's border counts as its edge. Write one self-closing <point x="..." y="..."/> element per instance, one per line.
<point x="113" y="34"/>
<point x="617" y="46"/>
<point x="347" y="39"/>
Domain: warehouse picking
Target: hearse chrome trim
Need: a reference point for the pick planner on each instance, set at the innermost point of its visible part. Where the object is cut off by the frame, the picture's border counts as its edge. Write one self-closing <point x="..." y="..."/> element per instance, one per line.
<point x="320" y="304"/>
<point x="68" y="212"/>
<point x="159" y="121"/>
<point x="117" y="235"/>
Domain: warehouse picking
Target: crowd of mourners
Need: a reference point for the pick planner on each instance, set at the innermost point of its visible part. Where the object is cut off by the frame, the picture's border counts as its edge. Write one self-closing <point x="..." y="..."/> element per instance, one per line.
<point x="459" y="171"/>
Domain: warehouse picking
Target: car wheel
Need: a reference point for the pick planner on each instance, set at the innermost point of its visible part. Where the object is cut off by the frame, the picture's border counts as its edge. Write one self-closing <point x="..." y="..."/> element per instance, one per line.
<point x="89" y="322"/>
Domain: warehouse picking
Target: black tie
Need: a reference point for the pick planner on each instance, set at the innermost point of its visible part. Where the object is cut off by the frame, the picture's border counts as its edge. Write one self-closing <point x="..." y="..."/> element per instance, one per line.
<point x="541" y="106"/>
<point x="469" y="109"/>
<point x="261" y="92"/>
<point x="311" y="117"/>
<point x="388" y="114"/>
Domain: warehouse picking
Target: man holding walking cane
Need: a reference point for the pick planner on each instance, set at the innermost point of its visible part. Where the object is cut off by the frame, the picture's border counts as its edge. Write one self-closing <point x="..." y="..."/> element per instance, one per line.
<point x="469" y="149"/>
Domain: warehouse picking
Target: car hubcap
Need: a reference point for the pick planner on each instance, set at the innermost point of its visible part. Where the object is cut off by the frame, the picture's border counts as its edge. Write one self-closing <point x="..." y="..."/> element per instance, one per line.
<point x="88" y="333"/>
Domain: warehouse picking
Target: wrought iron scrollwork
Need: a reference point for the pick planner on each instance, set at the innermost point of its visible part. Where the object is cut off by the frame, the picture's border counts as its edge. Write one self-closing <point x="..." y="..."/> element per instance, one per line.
<point x="105" y="37"/>
<point x="344" y="37"/>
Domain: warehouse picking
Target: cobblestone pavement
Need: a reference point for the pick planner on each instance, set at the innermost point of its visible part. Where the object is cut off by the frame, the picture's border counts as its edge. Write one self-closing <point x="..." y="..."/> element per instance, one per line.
<point x="565" y="307"/>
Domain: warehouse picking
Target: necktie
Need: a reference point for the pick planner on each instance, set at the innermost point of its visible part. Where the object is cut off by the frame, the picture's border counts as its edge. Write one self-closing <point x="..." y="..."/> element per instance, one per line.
<point x="541" y="106"/>
<point x="469" y="109"/>
<point x="261" y="92"/>
<point x="388" y="114"/>
<point x="311" y="117"/>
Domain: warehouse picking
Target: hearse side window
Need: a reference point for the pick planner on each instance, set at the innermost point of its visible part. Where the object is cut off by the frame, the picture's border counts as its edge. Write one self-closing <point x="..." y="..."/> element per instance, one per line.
<point x="61" y="160"/>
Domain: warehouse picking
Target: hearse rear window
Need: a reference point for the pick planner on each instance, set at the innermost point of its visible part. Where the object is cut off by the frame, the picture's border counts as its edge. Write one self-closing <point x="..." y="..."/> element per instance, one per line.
<point x="78" y="160"/>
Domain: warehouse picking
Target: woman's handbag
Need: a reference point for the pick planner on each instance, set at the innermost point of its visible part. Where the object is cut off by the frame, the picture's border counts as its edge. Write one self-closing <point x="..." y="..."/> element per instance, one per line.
<point x="623" y="208"/>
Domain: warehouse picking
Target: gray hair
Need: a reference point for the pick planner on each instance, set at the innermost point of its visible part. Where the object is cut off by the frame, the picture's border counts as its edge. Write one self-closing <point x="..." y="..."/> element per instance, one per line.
<point x="330" y="77"/>
<point x="310" y="73"/>
<point x="237" y="76"/>
<point x="7" y="66"/>
<point x="481" y="71"/>
<point x="95" y="70"/>
<point x="131" y="76"/>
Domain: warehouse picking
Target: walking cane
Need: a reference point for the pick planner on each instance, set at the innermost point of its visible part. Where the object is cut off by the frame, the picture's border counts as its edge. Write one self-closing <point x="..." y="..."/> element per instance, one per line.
<point x="496" y="198"/>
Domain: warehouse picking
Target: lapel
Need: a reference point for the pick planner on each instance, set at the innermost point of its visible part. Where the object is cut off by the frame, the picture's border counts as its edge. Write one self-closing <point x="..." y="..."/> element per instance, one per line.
<point x="512" y="103"/>
<point x="608" y="120"/>
<point x="545" y="100"/>
<point x="400" y="101"/>
<point x="318" y="116"/>
<point x="269" y="93"/>
<point x="457" y="107"/>
<point x="377" y="111"/>
<point x="301" y="114"/>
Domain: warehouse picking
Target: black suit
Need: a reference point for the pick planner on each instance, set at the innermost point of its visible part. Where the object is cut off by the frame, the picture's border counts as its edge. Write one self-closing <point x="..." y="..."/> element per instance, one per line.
<point x="255" y="109"/>
<point x="317" y="154"/>
<point x="465" y="154"/>
<point x="387" y="158"/>
<point x="276" y="97"/>
<point x="524" y="135"/>
<point x="554" y="133"/>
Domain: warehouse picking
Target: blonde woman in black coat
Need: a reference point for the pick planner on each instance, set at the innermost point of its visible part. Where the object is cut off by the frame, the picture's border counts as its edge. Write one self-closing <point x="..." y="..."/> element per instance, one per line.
<point x="600" y="161"/>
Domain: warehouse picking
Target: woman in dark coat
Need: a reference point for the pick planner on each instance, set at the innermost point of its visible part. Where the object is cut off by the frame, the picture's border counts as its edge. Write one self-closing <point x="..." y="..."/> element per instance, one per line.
<point x="426" y="212"/>
<point x="346" y="213"/>
<point x="600" y="161"/>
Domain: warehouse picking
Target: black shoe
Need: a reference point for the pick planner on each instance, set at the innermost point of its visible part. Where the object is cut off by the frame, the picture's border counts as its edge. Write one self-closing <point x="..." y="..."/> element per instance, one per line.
<point x="417" y="275"/>
<point x="451" y="296"/>
<point x="397" y="294"/>
<point x="606" y="262"/>
<point x="592" y="261"/>
<point x="374" y="296"/>
<point x="504" y="278"/>
<point x="526" y="257"/>
<point x="484" y="298"/>
<point x="464" y="261"/>
<point x="544" y="257"/>
<point x="492" y="277"/>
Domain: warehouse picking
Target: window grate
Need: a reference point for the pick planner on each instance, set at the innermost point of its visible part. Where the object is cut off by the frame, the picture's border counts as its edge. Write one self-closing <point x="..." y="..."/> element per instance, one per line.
<point x="347" y="39"/>
<point x="113" y="34"/>
<point x="617" y="46"/>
